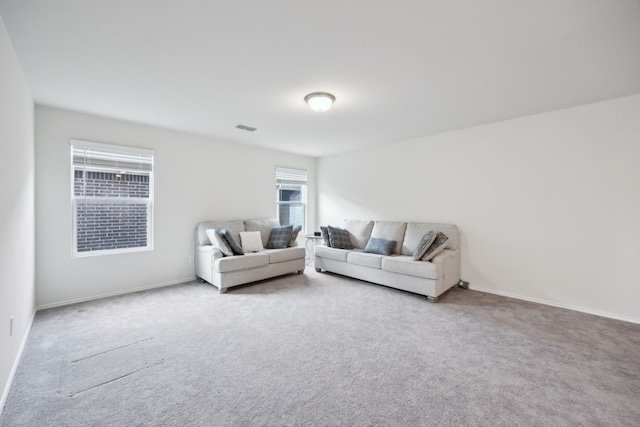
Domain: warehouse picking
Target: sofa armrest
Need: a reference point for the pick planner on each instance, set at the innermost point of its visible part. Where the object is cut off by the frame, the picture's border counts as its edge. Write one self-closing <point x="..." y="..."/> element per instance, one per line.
<point x="449" y="259"/>
<point x="441" y="257"/>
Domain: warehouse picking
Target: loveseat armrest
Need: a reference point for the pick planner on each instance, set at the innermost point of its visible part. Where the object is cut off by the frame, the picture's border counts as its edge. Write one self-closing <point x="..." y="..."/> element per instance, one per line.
<point x="210" y="251"/>
<point x="205" y="257"/>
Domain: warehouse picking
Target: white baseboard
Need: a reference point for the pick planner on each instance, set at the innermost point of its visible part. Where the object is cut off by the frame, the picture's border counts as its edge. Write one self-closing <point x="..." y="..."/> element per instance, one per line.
<point x="16" y="362"/>
<point x="111" y="294"/>
<point x="557" y="304"/>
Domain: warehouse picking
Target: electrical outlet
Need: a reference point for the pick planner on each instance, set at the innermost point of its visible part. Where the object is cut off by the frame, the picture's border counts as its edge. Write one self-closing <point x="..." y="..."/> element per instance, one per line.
<point x="190" y="259"/>
<point x="11" y="326"/>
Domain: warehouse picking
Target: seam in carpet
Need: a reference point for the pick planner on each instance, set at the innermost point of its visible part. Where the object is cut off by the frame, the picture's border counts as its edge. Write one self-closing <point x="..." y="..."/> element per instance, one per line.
<point x="110" y="350"/>
<point x="116" y="379"/>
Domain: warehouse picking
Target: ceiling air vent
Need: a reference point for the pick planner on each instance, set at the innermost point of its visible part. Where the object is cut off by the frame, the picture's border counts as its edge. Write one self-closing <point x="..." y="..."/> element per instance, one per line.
<point x="248" y="128"/>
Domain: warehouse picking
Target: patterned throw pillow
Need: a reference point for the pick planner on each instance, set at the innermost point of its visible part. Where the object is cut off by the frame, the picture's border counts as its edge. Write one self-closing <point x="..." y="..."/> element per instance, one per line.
<point x="233" y="244"/>
<point x="436" y="247"/>
<point x="379" y="246"/>
<point x="217" y="241"/>
<point x="424" y="244"/>
<point x="339" y="238"/>
<point x="325" y="235"/>
<point x="294" y="235"/>
<point x="251" y="241"/>
<point x="279" y="237"/>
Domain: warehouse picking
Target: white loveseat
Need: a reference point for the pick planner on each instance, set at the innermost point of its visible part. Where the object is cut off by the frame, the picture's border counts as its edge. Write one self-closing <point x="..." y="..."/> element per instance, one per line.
<point x="398" y="270"/>
<point x="227" y="271"/>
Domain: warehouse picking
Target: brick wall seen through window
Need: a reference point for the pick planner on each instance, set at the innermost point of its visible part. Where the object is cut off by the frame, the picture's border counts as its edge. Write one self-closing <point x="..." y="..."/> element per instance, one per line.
<point x="105" y="226"/>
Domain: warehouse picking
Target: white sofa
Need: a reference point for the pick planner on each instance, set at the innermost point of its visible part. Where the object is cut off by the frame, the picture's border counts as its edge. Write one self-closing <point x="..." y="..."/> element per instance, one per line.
<point x="225" y="272"/>
<point x="398" y="270"/>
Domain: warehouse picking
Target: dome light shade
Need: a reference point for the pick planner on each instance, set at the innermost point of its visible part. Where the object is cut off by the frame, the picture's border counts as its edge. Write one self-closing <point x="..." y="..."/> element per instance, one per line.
<point x="319" y="101"/>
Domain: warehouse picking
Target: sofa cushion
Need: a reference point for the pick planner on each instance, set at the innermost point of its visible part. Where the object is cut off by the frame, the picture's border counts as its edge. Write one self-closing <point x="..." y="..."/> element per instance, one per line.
<point x="365" y="259"/>
<point x="415" y="231"/>
<point x="424" y="244"/>
<point x="294" y="235"/>
<point x="333" y="253"/>
<point x="279" y="237"/>
<point x="251" y="241"/>
<point x="380" y="246"/>
<point x="390" y="230"/>
<point x="235" y="263"/>
<point x="286" y="254"/>
<point x="264" y="226"/>
<point x="232" y="242"/>
<point x="406" y="265"/>
<point x="339" y="238"/>
<point x="201" y="230"/>
<point x="359" y="232"/>
<point x="217" y="241"/>
<point x="437" y="246"/>
<point x="325" y="235"/>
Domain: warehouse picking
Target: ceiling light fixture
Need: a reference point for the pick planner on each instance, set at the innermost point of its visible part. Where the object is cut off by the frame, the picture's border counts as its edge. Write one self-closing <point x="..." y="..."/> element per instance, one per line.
<point x="319" y="101"/>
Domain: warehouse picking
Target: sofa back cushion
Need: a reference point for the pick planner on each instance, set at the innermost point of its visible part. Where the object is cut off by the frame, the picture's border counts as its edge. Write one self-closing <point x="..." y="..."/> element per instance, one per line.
<point x="359" y="232"/>
<point x="264" y="226"/>
<point x="390" y="230"/>
<point x="415" y="231"/>
<point x="201" y="230"/>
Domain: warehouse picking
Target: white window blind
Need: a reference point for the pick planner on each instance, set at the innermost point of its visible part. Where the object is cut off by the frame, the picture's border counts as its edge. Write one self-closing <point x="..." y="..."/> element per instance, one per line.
<point x="291" y="176"/>
<point x="107" y="157"/>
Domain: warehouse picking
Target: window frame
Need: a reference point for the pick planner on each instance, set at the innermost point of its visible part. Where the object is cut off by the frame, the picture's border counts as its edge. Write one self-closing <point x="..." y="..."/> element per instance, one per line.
<point x="294" y="179"/>
<point x="148" y="201"/>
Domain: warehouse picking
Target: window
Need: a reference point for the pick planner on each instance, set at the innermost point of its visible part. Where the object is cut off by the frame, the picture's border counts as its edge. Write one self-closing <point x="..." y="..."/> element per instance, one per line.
<point x="111" y="198"/>
<point x="291" y="189"/>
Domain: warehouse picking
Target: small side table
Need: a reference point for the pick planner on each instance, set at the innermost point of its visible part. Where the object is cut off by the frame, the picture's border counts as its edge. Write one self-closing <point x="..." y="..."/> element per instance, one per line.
<point x="310" y="246"/>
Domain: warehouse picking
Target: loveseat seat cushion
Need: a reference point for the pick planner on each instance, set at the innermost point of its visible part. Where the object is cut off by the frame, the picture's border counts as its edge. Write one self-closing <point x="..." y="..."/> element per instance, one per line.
<point x="365" y="259"/>
<point x="406" y="265"/>
<point x="390" y="230"/>
<point x="333" y="253"/>
<point x="235" y="263"/>
<point x="286" y="254"/>
<point x="416" y="230"/>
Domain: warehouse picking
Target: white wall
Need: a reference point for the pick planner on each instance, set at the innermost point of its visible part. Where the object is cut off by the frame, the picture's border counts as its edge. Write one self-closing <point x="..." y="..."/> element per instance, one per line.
<point x="548" y="206"/>
<point x="16" y="211"/>
<point x="196" y="179"/>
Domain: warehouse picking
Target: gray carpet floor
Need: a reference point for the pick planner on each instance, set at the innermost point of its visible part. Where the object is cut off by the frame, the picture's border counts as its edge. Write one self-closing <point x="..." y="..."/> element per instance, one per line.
<point x="323" y="350"/>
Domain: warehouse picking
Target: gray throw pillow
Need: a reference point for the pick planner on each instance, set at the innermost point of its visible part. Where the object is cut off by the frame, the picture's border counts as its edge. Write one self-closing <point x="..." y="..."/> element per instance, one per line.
<point x="436" y="247"/>
<point x="424" y="244"/>
<point x="233" y="244"/>
<point x="339" y="238"/>
<point x="325" y="235"/>
<point x="219" y="242"/>
<point x="294" y="235"/>
<point x="279" y="237"/>
<point x="379" y="246"/>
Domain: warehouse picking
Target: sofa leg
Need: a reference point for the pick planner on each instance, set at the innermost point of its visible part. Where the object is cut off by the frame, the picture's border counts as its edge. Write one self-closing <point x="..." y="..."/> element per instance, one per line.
<point x="462" y="284"/>
<point x="432" y="299"/>
<point x="223" y="290"/>
<point x="300" y="271"/>
<point x="318" y="270"/>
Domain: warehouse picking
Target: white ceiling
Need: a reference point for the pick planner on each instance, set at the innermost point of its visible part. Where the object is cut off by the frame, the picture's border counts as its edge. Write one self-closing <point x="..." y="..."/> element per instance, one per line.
<point x="398" y="69"/>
